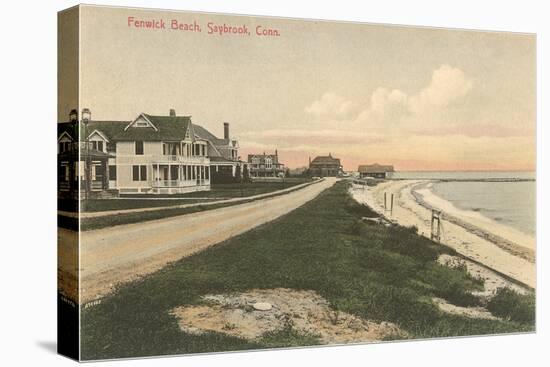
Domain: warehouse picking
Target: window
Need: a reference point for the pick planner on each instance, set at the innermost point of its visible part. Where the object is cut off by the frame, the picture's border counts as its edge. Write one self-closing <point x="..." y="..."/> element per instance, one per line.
<point x="207" y="173"/>
<point x="112" y="172"/>
<point x="64" y="146"/>
<point x="170" y="148"/>
<point x="143" y="173"/>
<point x="174" y="172"/>
<point x="139" y="173"/>
<point x="139" y="148"/>
<point x="97" y="145"/>
<point x="268" y="163"/>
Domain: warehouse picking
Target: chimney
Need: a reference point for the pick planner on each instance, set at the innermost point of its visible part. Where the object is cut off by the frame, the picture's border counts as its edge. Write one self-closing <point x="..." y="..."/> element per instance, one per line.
<point x="226" y="130"/>
<point x="172" y="112"/>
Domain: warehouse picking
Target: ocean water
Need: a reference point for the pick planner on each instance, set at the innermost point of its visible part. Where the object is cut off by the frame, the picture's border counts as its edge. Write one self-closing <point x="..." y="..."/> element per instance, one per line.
<point x="511" y="203"/>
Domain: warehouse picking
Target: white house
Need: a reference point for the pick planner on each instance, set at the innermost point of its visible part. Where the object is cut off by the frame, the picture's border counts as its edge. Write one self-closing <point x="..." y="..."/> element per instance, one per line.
<point x="150" y="154"/>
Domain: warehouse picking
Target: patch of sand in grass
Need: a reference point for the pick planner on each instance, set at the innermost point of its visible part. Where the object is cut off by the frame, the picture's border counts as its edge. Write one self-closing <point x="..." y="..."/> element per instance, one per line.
<point x="472" y="312"/>
<point x="305" y="311"/>
<point x="491" y="283"/>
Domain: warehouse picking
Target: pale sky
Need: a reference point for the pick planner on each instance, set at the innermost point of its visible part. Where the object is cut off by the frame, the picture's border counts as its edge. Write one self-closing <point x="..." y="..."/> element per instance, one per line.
<point x="417" y="98"/>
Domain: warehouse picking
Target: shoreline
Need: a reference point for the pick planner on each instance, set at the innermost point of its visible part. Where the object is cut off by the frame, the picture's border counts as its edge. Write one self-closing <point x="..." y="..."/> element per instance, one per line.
<point x="513" y="241"/>
<point x="493" y="251"/>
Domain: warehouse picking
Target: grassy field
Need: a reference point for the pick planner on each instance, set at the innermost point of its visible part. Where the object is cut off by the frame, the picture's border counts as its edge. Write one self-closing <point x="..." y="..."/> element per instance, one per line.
<point x="369" y="270"/>
<point x="88" y="224"/>
<point x="108" y="220"/>
<point x="221" y="191"/>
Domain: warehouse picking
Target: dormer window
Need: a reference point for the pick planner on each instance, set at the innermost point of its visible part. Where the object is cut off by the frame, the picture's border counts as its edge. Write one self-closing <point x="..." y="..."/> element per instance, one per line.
<point x="97" y="145"/>
<point x="141" y="124"/>
<point x="64" y="146"/>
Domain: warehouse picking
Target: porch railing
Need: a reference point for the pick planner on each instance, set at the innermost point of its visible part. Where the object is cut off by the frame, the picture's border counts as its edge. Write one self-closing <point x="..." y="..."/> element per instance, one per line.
<point x="180" y="183"/>
<point x="163" y="159"/>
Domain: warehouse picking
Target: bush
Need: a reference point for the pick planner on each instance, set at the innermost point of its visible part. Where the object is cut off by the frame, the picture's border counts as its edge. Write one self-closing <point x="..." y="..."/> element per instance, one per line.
<point x="511" y="305"/>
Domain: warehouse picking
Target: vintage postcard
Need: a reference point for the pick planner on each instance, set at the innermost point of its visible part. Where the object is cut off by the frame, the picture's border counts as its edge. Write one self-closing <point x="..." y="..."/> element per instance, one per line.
<point x="229" y="183"/>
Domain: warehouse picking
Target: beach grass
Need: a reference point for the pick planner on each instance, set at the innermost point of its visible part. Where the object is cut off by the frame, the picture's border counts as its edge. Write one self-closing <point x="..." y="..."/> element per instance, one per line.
<point x="364" y="268"/>
<point x="508" y="304"/>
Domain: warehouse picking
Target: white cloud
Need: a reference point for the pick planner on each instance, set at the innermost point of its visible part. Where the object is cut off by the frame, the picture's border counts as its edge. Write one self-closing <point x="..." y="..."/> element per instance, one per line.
<point x="331" y="106"/>
<point x="425" y="110"/>
<point x="447" y="85"/>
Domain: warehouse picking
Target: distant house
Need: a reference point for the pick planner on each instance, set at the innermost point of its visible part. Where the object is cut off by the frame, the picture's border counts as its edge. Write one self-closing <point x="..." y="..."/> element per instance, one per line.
<point x="149" y="154"/>
<point x="375" y="170"/>
<point x="325" y="166"/>
<point x="265" y="165"/>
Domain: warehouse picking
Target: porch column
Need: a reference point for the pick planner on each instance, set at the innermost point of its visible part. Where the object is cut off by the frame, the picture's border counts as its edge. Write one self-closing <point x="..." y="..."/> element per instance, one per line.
<point x="106" y="174"/>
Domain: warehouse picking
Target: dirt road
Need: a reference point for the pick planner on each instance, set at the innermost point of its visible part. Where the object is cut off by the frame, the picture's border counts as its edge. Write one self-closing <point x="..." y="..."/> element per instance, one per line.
<point x="111" y="256"/>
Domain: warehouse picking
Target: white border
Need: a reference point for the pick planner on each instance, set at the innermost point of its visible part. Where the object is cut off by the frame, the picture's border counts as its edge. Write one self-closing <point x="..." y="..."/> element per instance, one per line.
<point x="29" y="206"/>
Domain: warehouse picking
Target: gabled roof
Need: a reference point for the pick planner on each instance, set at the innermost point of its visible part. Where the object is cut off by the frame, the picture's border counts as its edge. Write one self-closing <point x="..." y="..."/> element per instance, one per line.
<point x="144" y="116"/>
<point x="107" y="128"/>
<point x="205" y="134"/>
<point x="326" y="159"/>
<point x="65" y="133"/>
<point x="375" y="168"/>
<point x="98" y="132"/>
<point x="167" y="128"/>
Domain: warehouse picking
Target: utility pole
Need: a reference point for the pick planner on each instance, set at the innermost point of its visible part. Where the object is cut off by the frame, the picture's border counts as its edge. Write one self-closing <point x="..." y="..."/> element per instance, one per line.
<point x="85" y="120"/>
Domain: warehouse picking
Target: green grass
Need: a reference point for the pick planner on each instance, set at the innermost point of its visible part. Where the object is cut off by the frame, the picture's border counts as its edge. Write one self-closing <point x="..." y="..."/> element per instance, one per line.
<point x="91" y="223"/>
<point x="99" y="205"/>
<point x="510" y="305"/>
<point x="219" y="191"/>
<point x="88" y="224"/>
<point x="376" y="272"/>
<point x="231" y="190"/>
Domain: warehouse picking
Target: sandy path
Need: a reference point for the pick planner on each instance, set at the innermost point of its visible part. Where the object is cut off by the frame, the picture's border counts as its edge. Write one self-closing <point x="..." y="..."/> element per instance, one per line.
<point x="115" y="255"/>
<point x="408" y="212"/>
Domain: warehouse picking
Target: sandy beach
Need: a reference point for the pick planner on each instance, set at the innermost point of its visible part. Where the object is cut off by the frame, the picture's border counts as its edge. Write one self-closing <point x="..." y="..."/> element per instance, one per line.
<point x="501" y="248"/>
